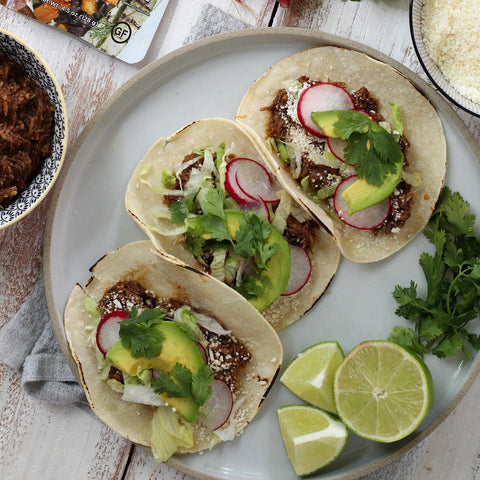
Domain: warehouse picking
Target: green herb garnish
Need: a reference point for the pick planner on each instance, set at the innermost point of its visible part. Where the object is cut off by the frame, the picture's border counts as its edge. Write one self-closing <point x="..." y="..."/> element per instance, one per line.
<point x="452" y="275"/>
<point x="373" y="151"/>
<point x="182" y="383"/>
<point x="139" y="335"/>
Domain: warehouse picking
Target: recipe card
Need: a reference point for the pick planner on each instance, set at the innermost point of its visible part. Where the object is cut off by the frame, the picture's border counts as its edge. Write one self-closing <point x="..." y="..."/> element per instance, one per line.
<point x="121" y="28"/>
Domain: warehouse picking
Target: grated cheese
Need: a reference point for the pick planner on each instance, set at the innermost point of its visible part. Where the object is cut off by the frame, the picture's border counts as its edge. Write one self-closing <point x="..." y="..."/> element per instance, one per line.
<point x="451" y="30"/>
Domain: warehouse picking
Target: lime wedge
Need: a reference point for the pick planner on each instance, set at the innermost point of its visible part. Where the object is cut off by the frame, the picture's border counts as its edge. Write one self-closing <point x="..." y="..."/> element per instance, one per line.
<point x="310" y="374"/>
<point x="382" y="391"/>
<point x="312" y="437"/>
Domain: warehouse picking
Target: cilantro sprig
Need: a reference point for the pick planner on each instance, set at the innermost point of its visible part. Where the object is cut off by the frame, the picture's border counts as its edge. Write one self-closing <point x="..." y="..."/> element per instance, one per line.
<point x="372" y="150"/>
<point x="182" y="383"/>
<point x="209" y="232"/>
<point x="452" y="275"/>
<point x="139" y="335"/>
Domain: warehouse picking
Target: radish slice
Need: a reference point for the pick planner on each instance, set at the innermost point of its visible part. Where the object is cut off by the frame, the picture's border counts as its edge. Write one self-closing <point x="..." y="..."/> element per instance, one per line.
<point x="260" y="208"/>
<point x="337" y="147"/>
<point x="231" y="185"/>
<point x="218" y="408"/>
<point x="300" y="271"/>
<point x="365" y="219"/>
<point x="108" y="330"/>
<point x="202" y="351"/>
<point x="321" y="97"/>
<point x="253" y="180"/>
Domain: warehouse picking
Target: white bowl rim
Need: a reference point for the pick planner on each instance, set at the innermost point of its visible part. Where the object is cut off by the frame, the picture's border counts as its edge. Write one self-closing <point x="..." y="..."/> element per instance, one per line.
<point x="436" y="76"/>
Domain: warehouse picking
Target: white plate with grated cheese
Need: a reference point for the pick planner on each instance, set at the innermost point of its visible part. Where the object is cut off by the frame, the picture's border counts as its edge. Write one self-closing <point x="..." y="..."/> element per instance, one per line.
<point x="446" y="38"/>
<point x="88" y="219"/>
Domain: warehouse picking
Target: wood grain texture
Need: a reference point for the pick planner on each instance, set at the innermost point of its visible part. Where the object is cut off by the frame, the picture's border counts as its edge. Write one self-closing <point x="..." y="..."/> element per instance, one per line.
<point x="41" y="441"/>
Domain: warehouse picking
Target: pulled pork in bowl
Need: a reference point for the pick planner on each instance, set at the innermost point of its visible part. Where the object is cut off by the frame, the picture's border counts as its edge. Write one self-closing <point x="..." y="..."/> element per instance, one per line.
<point x="33" y="129"/>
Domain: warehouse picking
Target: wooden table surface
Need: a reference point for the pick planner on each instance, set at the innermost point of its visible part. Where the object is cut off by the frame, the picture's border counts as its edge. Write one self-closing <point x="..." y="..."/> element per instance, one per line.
<point x="47" y="442"/>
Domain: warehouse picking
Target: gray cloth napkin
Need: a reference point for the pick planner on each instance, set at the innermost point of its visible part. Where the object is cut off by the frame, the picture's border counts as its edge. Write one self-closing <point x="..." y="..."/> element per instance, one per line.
<point x="29" y="346"/>
<point x="27" y="342"/>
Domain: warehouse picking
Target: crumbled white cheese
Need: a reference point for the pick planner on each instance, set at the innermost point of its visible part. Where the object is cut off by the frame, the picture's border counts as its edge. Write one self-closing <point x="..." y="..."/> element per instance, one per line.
<point x="451" y="30"/>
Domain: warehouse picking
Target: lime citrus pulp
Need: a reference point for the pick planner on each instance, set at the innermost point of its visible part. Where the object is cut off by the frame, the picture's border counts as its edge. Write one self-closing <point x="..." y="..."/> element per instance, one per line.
<point x="312" y="437"/>
<point x="310" y="374"/>
<point x="382" y="391"/>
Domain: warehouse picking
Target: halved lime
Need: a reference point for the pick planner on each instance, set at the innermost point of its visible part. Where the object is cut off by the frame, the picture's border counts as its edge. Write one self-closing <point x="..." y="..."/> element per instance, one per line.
<point x="382" y="391"/>
<point x="312" y="437"/>
<point x="310" y="374"/>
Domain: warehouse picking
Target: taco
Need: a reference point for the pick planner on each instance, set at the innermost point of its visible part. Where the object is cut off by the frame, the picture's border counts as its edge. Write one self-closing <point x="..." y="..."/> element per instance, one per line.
<point x="354" y="142"/>
<point x="204" y="197"/>
<point x="161" y="353"/>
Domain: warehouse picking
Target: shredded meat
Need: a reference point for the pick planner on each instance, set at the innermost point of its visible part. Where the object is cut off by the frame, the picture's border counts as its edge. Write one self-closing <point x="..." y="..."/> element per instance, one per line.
<point x="319" y="176"/>
<point x="299" y="233"/>
<point x="115" y="374"/>
<point x="402" y="200"/>
<point x="124" y="296"/>
<point x="277" y="127"/>
<point x="366" y="103"/>
<point x="226" y="356"/>
<point x="26" y="129"/>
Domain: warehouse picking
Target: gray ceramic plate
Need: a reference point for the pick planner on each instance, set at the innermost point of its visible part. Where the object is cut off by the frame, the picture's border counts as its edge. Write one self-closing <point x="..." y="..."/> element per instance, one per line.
<point x="88" y="219"/>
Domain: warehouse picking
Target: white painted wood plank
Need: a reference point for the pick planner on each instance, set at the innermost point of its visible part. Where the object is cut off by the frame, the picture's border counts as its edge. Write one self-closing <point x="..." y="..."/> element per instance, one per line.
<point x="44" y="441"/>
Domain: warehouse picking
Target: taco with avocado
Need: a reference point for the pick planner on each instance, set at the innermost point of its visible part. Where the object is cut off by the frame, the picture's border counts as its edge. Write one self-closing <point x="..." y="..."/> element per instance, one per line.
<point x="354" y="141"/>
<point x="205" y="197"/>
<point x="161" y="353"/>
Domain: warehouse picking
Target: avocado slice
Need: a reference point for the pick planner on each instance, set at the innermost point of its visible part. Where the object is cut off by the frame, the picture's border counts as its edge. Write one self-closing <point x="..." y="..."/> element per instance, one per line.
<point x="361" y="195"/>
<point x="279" y="267"/>
<point x="177" y="347"/>
<point x="326" y="121"/>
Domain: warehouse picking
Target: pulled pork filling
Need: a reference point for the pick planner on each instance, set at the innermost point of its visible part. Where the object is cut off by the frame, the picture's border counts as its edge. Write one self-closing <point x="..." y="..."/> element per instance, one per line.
<point x="26" y="129"/>
<point x="226" y="355"/>
<point x="284" y="125"/>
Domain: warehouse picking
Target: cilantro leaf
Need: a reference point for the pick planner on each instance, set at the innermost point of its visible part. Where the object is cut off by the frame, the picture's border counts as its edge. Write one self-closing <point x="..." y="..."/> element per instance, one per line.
<point x="208" y="226"/>
<point x="452" y="276"/>
<point x="251" y="238"/>
<point x="139" y="335"/>
<point x="405" y="337"/>
<point x="373" y="151"/>
<point x="162" y="383"/>
<point x="182" y="383"/>
<point x="180" y="209"/>
<point x="252" y="286"/>
<point x="201" y="384"/>
<point x="213" y="202"/>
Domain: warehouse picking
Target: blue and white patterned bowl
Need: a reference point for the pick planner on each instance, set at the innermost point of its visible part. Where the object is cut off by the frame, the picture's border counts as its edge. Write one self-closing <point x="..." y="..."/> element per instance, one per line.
<point x="20" y="52"/>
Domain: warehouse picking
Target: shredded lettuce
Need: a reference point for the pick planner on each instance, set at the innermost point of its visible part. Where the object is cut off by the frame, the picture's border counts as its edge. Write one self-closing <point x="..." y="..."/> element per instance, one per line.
<point x="282" y="151"/>
<point x="169" y="432"/>
<point x="217" y="267"/>
<point x="91" y="308"/>
<point x="293" y="85"/>
<point x="397" y="121"/>
<point x="168" y="179"/>
<point x="283" y="210"/>
<point x="187" y="318"/>
<point x="138" y="393"/>
<point x="232" y="264"/>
